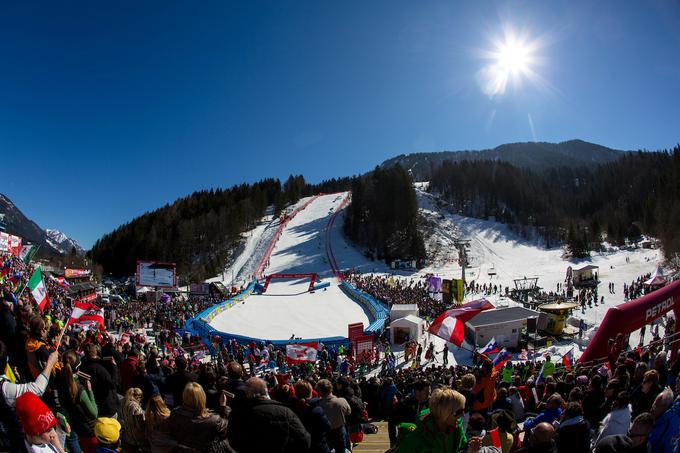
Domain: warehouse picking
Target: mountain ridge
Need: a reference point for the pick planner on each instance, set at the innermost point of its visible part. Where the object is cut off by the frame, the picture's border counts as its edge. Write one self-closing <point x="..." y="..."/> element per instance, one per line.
<point x="537" y="156"/>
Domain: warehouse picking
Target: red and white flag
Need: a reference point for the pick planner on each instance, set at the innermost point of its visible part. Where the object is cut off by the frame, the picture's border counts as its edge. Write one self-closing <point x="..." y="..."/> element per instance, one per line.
<point x="450" y="325"/>
<point x="87" y="314"/>
<point x="301" y="352"/>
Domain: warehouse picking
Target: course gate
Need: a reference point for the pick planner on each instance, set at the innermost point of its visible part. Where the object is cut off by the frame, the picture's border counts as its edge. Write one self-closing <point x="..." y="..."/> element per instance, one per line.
<point x="311" y="276"/>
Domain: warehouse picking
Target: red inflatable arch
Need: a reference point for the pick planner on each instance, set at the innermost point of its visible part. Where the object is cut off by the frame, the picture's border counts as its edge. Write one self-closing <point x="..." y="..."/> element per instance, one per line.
<point x="311" y="276"/>
<point x="630" y="316"/>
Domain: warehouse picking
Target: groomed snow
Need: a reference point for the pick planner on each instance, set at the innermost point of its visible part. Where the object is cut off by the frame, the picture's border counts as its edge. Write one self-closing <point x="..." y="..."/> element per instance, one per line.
<point x="287" y="308"/>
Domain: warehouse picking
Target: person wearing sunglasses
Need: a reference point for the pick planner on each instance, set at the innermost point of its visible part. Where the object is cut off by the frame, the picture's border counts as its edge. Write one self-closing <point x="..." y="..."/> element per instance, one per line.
<point x="440" y="429"/>
<point x="634" y="441"/>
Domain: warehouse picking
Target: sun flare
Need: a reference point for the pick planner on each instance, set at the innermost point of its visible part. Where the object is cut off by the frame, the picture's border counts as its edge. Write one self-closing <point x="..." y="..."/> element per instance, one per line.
<point x="511" y="61"/>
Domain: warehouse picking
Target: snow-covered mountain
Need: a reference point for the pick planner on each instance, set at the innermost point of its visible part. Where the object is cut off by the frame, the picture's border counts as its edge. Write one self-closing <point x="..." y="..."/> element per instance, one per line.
<point x="61" y="242"/>
<point x="52" y="242"/>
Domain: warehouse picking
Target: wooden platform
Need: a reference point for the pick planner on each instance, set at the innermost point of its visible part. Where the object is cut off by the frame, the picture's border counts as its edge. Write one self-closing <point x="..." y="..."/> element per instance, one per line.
<point x="375" y="443"/>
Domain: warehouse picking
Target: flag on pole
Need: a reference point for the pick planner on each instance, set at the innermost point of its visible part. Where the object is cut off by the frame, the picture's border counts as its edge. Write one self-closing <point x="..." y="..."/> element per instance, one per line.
<point x="491" y="347"/>
<point x="501" y="359"/>
<point x="450" y="325"/>
<point x="301" y="352"/>
<point x="540" y="374"/>
<point x="568" y="359"/>
<point x="27" y="252"/>
<point x="37" y="287"/>
<point x="87" y="314"/>
<point x="61" y="281"/>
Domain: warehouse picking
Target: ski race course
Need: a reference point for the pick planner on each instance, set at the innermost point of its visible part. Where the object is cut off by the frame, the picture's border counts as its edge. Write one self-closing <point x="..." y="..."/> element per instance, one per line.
<point x="309" y="241"/>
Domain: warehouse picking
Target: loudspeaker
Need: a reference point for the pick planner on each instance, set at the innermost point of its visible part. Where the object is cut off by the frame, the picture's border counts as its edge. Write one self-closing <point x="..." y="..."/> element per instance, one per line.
<point x="531" y="324"/>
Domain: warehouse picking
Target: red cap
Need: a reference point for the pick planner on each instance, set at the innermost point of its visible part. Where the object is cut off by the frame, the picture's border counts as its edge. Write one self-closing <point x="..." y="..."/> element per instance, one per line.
<point x="35" y="417"/>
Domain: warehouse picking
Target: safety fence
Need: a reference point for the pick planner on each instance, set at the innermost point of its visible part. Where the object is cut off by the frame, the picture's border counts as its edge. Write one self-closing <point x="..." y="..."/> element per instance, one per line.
<point x="378" y="311"/>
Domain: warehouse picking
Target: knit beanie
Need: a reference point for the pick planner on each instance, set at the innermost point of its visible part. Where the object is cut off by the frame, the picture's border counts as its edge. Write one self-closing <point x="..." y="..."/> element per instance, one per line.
<point x="35" y="416"/>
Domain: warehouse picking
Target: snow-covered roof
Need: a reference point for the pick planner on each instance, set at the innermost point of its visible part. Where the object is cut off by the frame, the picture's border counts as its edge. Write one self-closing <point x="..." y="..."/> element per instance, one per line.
<point x="407" y="320"/>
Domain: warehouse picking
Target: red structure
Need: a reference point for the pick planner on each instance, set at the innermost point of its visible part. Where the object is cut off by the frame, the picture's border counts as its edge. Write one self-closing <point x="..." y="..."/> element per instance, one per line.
<point x="628" y="317"/>
<point x="311" y="276"/>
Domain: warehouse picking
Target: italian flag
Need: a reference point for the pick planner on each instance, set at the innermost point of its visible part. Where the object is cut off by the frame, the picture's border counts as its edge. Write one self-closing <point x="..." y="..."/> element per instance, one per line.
<point x="37" y="287"/>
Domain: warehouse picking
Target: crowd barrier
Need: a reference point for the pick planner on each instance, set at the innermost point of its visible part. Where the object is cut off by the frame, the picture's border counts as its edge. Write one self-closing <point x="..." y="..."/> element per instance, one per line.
<point x="378" y="311"/>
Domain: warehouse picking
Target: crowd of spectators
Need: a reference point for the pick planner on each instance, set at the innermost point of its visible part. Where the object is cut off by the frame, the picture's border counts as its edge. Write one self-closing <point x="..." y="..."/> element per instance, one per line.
<point x="393" y="290"/>
<point x="94" y="392"/>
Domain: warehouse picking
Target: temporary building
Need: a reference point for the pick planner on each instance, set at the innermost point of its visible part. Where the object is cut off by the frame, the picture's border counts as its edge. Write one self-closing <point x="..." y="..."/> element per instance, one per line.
<point x="401" y="310"/>
<point x="504" y="324"/>
<point x="409" y="327"/>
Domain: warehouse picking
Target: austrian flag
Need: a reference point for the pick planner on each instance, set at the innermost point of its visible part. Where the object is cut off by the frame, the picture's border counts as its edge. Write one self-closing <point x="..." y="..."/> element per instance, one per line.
<point x="301" y="352"/>
<point x="87" y="313"/>
<point x="450" y="325"/>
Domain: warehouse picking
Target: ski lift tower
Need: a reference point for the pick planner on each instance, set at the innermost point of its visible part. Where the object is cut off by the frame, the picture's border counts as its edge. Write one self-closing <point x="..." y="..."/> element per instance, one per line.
<point x="462" y="245"/>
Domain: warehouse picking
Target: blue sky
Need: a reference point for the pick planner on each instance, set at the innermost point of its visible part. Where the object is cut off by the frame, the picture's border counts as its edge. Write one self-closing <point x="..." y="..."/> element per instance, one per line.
<point x="111" y="109"/>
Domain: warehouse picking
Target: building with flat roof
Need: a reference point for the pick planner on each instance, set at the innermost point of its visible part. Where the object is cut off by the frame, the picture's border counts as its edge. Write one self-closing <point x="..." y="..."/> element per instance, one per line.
<point x="504" y="324"/>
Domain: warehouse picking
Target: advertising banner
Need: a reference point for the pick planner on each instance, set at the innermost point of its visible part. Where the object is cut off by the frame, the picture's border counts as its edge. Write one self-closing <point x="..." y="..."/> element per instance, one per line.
<point x="76" y="273"/>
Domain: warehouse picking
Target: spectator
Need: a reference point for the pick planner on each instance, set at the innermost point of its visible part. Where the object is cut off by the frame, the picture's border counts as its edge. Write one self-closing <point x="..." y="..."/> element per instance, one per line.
<point x="178" y="380"/>
<point x="192" y="426"/>
<point x="441" y="429"/>
<point x="134" y="438"/>
<point x="336" y="409"/>
<point x="156" y="413"/>
<point x="618" y="420"/>
<point x="38" y="423"/>
<point x="107" y="431"/>
<point x="78" y="401"/>
<point x="285" y="431"/>
<point x="552" y="411"/>
<point x="644" y="394"/>
<point x="102" y="385"/>
<point x="634" y="441"/>
<point x="664" y="435"/>
<point x="541" y="440"/>
<point x="312" y="416"/>
<point x="573" y="431"/>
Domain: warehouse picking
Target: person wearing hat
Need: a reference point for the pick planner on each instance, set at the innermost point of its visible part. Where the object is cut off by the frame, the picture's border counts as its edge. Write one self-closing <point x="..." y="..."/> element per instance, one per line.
<point x="107" y="431"/>
<point x="38" y="423"/>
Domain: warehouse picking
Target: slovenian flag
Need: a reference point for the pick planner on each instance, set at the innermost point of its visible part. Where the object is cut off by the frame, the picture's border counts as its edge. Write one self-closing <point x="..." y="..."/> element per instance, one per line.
<point x="450" y="325"/>
<point x="37" y="287"/>
<point x="491" y="347"/>
<point x="568" y="359"/>
<point x="501" y="359"/>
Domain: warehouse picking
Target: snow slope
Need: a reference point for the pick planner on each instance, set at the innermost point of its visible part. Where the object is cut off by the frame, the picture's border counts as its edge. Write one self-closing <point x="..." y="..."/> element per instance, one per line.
<point x="287" y="308"/>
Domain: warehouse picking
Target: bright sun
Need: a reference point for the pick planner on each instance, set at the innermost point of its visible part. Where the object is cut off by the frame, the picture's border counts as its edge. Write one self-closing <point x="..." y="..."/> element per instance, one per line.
<point x="511" y="60"/>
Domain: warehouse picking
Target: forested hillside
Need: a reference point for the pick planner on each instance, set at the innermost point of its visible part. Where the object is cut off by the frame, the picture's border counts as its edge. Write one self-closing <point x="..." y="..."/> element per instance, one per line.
<point x="638" y="193"/>
<point x="383" y="215"/>
<point x="198" y="231"/>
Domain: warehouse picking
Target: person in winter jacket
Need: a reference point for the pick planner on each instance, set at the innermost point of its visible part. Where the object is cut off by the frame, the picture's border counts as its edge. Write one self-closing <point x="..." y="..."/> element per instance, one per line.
<point x="665" y="435"/>
<point x="439" y="430"/>
<point x="635" y="441"/>
<point x="102" y="384"/>
<point x="573" y="431"/>
<point x="192" y="426"/>
<point x="408" y="410"/>
<point x="337" y="410"/>
<point x="284" y="430"/>
<point x="134" y="436"/>
<point x="552" y="411"/>
<point x="644" y="394"/>
<point x="618" y="420"/>
<point x="312" y="416"/>
<point x="485" y="389"/>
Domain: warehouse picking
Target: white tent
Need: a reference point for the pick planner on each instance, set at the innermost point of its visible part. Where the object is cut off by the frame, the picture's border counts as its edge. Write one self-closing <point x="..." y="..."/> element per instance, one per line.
<point x="407" y="328"/>
<point x="657" y="279"/>
<point x="401" y="310"/>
